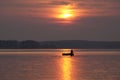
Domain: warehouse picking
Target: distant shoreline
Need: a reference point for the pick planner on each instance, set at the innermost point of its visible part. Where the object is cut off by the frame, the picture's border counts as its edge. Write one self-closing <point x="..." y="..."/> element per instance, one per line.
<point x="63" y="44"/>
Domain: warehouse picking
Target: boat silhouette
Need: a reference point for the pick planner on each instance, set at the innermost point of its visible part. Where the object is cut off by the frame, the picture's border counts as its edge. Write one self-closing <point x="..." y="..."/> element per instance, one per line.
<point x="68" y="54"/>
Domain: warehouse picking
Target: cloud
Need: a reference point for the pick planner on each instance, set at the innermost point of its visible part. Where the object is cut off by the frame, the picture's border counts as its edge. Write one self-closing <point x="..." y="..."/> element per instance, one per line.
<point x="102" y="7"/>
<point x="60" y="3"/>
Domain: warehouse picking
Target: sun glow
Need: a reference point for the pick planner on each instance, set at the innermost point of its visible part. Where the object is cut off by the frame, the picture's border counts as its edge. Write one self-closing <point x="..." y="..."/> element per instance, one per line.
<point x="66" y="13"/>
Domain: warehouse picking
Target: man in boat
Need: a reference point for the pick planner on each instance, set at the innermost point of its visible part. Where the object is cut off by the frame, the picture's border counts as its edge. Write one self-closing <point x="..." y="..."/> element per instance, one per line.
<point x="67" y="54"/>
<point x="71" y="52"/>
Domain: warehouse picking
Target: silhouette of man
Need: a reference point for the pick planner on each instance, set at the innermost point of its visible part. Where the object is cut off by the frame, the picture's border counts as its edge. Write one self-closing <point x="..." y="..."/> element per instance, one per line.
<point x="71" y="52"/>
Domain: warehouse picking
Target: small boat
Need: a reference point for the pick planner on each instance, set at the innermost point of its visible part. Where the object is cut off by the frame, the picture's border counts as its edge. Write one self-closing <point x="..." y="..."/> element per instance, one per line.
<point x="68" y="54"/>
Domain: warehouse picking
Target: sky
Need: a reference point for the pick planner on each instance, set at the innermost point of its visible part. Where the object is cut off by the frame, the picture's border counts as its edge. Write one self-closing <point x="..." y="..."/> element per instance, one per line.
<point x="50" y="20"/>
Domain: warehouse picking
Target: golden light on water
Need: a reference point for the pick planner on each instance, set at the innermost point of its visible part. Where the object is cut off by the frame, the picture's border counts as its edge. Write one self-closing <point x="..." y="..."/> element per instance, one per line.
<point x="66" y="68"/>
<point x="65" y="50"/>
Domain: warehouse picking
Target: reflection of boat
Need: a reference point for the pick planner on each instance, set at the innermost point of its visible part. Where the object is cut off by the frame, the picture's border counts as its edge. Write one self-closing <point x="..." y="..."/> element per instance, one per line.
<point x="68" y="54"/>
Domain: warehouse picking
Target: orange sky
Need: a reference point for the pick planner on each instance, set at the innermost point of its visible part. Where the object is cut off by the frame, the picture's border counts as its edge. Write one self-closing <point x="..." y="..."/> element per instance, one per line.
<point x="87" y="19"/>
<point x="49" y="8"/>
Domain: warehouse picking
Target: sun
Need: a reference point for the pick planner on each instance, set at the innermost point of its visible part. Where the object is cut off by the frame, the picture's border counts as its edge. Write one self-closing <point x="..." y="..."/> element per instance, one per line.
<point x="65" y="12"/>
<point x="66" y="15"/>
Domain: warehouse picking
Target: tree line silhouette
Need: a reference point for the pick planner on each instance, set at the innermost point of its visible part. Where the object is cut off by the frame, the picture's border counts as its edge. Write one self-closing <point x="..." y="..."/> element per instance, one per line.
<point x="83" y="44"/>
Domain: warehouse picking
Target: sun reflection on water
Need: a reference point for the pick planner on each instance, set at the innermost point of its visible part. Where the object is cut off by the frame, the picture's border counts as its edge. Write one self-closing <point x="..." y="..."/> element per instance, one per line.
<point x="66" y="68"/>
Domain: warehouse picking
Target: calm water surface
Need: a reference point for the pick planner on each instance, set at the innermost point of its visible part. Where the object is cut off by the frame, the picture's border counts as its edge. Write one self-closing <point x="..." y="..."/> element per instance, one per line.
<point x="50" y="65"/>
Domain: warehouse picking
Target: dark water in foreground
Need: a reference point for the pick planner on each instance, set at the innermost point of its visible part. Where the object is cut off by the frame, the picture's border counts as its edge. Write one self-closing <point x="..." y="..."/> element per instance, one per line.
<point x="50" y="65"/>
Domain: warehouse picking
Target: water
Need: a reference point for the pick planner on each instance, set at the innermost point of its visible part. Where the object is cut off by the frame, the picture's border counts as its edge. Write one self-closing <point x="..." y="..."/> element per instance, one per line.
<point x="48" y="64"/>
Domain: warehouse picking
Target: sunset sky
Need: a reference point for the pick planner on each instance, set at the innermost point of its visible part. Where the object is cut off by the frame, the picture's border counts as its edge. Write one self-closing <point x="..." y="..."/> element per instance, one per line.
<point x="46" y="20"/>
